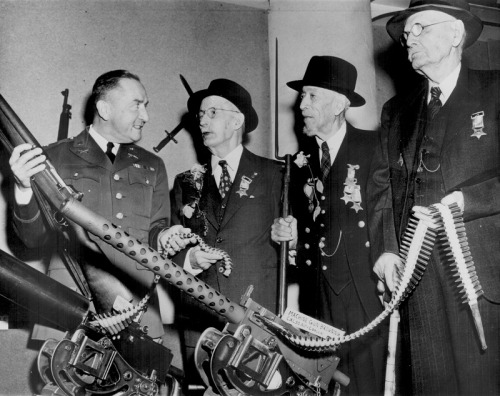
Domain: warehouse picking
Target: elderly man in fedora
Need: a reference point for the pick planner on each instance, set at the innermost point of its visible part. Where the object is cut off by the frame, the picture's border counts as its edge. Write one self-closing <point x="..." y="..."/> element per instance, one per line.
<point x="231" y="203"/>
<point x="328" y="200"/>
<point x="440" y="143"/>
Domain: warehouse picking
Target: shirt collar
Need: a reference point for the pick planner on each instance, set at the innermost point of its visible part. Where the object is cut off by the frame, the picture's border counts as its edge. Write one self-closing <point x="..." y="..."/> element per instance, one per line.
<point x="334" y="141"/>
<point x="232" y="159"/>
<point x="101" y="141"/>
<point x="447" y="85"/>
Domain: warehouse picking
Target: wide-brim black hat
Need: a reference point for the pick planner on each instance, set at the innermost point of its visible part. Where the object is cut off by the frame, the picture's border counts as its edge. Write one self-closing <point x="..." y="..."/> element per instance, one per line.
<point x="231" y="91"/>
<point x="330" y="72"/>
<point x="459" y="9"/>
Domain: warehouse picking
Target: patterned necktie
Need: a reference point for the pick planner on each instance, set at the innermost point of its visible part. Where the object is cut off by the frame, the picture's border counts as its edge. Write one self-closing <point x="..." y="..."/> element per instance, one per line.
<point x="435" y="103"/>
<point x="325" y="161"/>
<point x="109" y="152"/>
<point x="225" y="179"/>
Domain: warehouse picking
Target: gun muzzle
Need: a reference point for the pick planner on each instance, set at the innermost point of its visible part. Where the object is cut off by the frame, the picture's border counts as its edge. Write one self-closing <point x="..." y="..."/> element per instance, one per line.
<point x="40" y="294"/>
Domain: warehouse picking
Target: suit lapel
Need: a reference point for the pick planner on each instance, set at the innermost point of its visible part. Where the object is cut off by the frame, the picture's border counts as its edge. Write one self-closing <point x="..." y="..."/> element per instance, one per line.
<point x="211" y="198"/>
<point x="412" y="125"/>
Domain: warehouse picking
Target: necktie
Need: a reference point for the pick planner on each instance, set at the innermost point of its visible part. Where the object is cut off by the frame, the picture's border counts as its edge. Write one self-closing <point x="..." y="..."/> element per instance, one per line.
<point x="325" y="161"/>
<point x="109" y="152"/>
<point x="225" y="179"/>
<point x="435" y="103"/>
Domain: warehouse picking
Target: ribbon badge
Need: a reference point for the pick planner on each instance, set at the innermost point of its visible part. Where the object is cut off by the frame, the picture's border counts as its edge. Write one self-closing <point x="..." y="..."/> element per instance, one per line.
<point x="244" y="185"/>
<point x="478" y="124"/>
<point x="352" y="190"/>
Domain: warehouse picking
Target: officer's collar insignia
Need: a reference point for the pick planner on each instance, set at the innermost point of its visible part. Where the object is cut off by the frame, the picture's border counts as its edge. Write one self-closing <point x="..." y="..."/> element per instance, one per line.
<point x="352" y="190"/>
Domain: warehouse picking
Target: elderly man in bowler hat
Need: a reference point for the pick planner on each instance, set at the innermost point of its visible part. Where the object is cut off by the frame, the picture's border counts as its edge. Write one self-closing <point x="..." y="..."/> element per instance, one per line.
<point x="231" y="203"/>
<point x="328" y="202"/>
<point x="440" y="143"/>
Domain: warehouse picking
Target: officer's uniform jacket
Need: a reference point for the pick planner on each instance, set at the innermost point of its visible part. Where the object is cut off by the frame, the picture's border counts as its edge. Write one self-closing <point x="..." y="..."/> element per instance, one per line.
<point x="132" y="193"/>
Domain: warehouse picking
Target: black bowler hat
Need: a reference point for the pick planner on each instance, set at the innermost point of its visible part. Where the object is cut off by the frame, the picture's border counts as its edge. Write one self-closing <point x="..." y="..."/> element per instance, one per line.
<point x="231" y="91"/>
<point x="331" y="73"/>
<point x="459" y="9"/>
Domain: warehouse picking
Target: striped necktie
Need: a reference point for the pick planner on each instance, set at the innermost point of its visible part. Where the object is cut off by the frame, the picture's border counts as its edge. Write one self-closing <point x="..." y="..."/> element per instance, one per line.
<point x="325" y="161"/>
<point x="435" y="104"/>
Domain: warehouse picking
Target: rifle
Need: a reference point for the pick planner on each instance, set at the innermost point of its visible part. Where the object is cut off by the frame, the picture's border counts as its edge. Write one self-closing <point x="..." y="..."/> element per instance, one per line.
<point x="64" y="117"/>
<point x="284" y="248"/>
<point x="253" y="333"/>
<point x="171" y="135"/>
<point x="86" y="361"/>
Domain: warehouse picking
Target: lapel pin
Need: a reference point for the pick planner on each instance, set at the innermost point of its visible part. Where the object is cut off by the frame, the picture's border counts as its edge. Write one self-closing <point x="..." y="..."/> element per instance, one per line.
<point x="478" y="124"/>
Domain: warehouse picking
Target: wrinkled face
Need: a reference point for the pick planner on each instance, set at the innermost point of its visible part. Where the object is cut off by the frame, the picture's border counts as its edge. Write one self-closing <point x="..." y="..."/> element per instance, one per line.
<point x="434" y="45"/>
<point x="320" y="107"/>
<point x="219" y="132"/>
<point x="127" y="110"/>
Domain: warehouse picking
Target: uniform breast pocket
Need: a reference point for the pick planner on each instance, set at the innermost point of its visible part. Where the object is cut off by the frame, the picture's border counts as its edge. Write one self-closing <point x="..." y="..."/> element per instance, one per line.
<point x="85" y="180"/>
<point x="141" y="184"/>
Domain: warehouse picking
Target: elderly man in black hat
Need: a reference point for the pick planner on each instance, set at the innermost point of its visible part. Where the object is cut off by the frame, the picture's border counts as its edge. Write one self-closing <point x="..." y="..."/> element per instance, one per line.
<point x="328" y="201"/>
<point x="440" y="143"/>
<point x="231" y="203"/>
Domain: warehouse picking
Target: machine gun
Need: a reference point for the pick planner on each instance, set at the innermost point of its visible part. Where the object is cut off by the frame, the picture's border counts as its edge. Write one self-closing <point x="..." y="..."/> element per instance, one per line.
<point x="250" y="356"/>
<point x="87" y="361"/>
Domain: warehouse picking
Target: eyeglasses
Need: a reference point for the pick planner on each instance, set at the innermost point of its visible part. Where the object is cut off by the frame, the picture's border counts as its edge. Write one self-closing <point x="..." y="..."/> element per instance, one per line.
<point x="416" y="30"/>
<point x="211" y="111"/>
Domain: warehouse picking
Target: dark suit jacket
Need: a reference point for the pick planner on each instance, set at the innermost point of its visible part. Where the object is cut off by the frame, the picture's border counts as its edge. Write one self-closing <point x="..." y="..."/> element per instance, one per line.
<point x="132" y="192"/>
<point x="468" y="164"/>
<point x="244" y="232"/>
<point x="336" y="214"/>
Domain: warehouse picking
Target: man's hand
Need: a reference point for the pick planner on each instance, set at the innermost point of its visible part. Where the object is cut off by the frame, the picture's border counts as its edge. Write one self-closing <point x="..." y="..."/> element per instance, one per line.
<point x="285" y="229"/>
<point x="385" y="269"/>
<point x="170" y="240"/>
<point x="202" y="260"/>
<point x="26" y="161"/>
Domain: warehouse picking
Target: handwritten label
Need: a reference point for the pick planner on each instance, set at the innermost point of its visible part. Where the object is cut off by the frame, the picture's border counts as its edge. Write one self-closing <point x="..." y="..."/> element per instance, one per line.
<point x="311" y="325"/>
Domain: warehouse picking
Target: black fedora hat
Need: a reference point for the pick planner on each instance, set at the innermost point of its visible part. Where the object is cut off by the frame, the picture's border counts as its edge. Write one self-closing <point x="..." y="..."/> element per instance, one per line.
<point x="459" y="9"/>
<point x="330" y="72"/>
<point x="231" y="91"/>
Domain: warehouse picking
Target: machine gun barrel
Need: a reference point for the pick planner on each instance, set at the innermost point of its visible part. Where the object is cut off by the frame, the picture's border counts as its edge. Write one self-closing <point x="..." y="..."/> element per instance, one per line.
<point x="40" y="294"/>
<point x="67" y="203"/>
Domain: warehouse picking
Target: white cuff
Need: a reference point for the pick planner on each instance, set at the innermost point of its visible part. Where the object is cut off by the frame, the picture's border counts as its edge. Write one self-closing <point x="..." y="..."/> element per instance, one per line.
<point x="187" y="265"/>
<point x="23" y="197"/>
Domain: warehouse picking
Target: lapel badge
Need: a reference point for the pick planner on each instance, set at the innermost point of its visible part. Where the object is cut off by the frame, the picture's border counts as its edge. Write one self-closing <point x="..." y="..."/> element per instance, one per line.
<point x="352" y="190"/>
<point x="133" y="156"/>
<point x="245" y="184"/>
<point x="478" y="124"/>
<point x="400" y="160"/>
<point x="137" y="166"/>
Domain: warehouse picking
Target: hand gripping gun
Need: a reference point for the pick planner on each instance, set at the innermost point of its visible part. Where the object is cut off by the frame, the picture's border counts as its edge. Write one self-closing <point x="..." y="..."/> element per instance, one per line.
<point x="260" y="362"/>
<point x="86" y="361"/>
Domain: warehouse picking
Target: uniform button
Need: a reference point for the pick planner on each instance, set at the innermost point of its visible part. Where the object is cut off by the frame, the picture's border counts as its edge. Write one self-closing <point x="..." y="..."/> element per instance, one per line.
<point x="307" y="246"/>
<point x="321" y="225"/>
<point x="119" y="215"/>
<point x="116" y="177"/>
<point x="418" y="180"/>
<point x="323" y="211"/>
<point x="76" y="174"/>
<point x="307" y="230"/>
<point x="223" y="206"/>
<point x="361" y="224"/>
<point x="323" y="268"/>
<point x="119" y="196"/>
<point x="218" y="240"/>
<point x="321" y="245"/>
<point x="367" y="244"/>
<point x="323" y="197"/>
<point x="308" y="262"/>
<point x="323" y="239"/>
